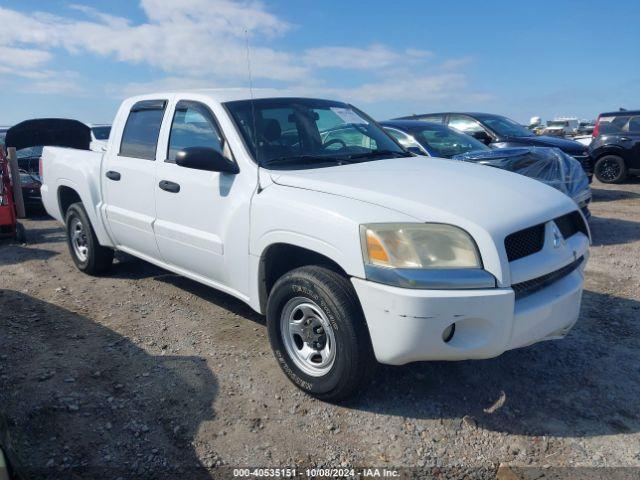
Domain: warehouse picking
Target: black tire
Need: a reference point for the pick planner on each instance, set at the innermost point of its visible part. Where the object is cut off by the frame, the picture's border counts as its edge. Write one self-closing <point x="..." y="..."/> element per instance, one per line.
<point x="98" y="259"/>
<point x="21" y="234"/>
<point x="610" y="169"/>
<point x="354" y="361"/>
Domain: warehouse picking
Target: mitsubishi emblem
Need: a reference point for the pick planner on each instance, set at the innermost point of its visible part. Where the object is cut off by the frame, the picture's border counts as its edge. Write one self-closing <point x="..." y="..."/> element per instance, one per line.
<point x="558" y="240"/>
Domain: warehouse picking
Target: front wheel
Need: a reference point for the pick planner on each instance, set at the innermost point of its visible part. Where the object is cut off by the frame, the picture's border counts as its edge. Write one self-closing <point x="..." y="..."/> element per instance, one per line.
<point x="318" y="333"/>
<point x="88" y="255"/>
<point x="610" y="169"/>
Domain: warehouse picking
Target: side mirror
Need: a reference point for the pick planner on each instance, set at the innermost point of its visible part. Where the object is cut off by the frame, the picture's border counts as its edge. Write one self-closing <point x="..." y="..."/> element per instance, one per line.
<point x="205" y="158"/>
<point x="482" y="136"/>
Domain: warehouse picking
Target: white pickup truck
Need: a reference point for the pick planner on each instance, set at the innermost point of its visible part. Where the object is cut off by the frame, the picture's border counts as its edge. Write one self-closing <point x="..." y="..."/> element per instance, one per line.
<point x="355" y="249"/>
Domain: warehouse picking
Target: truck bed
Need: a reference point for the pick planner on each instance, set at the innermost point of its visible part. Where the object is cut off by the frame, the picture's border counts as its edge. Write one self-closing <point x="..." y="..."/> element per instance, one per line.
<point x="79" y="170"/>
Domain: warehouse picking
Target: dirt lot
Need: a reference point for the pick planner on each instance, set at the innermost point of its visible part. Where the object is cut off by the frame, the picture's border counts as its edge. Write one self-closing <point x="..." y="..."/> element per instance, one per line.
<point x="142" y="373"/>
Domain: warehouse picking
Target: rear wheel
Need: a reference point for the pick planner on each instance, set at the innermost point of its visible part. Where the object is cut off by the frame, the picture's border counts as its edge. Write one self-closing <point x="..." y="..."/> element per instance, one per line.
<point x="610" y="169"/>
<point x="318" y="333"/>
<point x="88" y="255"/>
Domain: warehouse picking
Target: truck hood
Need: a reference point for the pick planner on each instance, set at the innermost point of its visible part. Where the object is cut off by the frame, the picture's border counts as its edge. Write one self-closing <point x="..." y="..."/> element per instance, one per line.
<point x="482" y="200"/>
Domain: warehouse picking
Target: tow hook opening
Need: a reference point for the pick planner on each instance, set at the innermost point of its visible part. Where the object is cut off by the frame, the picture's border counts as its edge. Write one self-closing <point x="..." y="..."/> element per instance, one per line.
<point x="448" y="333"/>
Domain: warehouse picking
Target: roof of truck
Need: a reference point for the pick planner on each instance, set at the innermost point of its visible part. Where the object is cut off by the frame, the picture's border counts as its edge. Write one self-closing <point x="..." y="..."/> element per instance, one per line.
<point x="223" y="95"/>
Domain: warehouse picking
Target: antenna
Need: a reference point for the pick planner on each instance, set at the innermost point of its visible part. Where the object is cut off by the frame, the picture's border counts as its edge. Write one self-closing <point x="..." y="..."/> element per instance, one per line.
<point x="253" y="112"/>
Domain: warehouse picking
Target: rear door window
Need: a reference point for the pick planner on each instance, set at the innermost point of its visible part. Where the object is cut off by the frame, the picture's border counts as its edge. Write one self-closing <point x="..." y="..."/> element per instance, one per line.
<point x="140" y="135"/>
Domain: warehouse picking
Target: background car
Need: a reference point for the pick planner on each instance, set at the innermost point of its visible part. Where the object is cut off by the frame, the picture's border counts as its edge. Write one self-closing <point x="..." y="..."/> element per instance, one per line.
<point x="616" y="146"/>
<point x="30" y="137"/>
<point x="561" y="127"/>
<point x="30" y="184"/>
<point x="502" y="132"/>
<point x="548" y="165"/>
<point x="586" y="127"/>
<point x="99" y="136"/>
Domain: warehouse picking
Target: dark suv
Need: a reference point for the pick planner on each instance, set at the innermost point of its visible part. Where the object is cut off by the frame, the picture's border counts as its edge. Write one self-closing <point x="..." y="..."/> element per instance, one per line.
<point x="501" y="132"/>
<point x="616" y="146"/>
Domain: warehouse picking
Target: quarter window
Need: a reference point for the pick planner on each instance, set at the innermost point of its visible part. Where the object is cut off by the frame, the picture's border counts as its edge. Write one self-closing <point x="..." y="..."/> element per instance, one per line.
<point x="634" y="124"/>
<point x="140" y="135"/>
<point x="193" y="126"/>
<point x="465" y="124"/>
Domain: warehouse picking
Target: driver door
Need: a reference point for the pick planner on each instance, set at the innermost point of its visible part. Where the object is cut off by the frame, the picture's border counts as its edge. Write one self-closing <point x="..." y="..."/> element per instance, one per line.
<point x="195" y="208"/>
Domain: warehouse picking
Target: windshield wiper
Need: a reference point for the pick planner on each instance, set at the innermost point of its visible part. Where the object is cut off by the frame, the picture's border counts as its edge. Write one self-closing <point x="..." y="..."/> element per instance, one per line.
<point x="379" y="153"/>
<point x="303" y="158"/>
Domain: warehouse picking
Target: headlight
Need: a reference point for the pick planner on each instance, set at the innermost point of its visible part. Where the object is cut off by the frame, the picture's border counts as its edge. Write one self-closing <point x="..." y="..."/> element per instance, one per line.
<point x="418" y="245"/>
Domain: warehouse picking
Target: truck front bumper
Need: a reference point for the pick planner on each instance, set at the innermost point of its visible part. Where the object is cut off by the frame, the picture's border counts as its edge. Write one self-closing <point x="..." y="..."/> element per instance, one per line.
<point x="407" y="325"/>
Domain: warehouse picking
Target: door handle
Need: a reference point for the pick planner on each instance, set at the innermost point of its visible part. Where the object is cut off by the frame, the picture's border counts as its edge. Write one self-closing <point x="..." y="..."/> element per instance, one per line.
<point x="111" y="175"/>
<point x="168" y="186"/>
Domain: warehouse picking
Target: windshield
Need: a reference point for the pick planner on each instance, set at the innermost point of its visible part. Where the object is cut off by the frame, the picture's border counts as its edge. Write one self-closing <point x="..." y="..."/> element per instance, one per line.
<point x="447" y="142"/>
<point x="101" y="133"/>
<point x="306" y="133"/>
<point x="505" y="127"/>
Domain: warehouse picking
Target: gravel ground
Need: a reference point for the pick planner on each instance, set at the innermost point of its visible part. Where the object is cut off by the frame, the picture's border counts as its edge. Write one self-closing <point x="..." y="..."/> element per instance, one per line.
<point x="142" y="374"/>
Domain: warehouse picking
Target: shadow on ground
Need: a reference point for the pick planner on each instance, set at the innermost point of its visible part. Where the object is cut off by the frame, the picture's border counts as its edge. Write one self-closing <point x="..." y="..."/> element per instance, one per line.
<point x="86" y="402"/>
<point x="133" y="268"/>
<point x="610" y="195"/>
<point x="12" y="253"/>
<point x="613" y="231"/>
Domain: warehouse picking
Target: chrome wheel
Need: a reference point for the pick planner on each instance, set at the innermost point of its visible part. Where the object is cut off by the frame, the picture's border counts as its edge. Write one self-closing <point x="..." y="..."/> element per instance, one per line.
<point x="79" y="240"/>
<point x="308" y="336"/>
<point x="609" y="170"/>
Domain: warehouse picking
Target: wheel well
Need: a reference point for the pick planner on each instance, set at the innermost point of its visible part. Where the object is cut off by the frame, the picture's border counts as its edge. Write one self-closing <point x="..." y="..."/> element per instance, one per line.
<point x="281" y="258"/>
<point x="66" y="197"/>
<point x="606" y="153"/>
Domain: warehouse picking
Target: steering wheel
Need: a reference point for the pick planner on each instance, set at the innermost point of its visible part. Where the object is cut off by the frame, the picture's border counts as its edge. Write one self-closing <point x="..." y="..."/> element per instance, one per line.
<point x="335" y="140"/>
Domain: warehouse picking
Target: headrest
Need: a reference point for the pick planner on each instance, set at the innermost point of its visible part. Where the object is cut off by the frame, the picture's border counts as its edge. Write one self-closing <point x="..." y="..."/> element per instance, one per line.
<point x="271" y="130"/>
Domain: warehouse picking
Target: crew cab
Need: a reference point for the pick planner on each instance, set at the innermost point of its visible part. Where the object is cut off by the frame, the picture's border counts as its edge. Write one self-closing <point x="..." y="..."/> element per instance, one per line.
<point x="356" y="250"/>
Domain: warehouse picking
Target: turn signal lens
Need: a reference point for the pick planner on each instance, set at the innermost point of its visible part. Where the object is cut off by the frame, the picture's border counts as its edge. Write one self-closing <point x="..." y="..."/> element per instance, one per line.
<point x="377" y="253"/>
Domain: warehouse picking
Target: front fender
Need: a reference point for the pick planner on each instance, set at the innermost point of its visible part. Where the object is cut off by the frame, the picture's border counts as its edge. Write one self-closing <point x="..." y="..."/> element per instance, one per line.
<point x="326" y="224"/>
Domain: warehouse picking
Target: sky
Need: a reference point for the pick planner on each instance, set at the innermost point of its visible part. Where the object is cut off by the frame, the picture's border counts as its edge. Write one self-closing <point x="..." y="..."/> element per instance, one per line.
<point x="80" y="58"/>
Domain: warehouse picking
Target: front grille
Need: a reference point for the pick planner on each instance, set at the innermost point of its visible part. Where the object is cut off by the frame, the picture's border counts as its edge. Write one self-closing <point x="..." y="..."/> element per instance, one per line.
<point x="528" y="287"/>
<point x="525" y="242"/>
<point x="531" y="240"/>
<point x="570" y="224"/>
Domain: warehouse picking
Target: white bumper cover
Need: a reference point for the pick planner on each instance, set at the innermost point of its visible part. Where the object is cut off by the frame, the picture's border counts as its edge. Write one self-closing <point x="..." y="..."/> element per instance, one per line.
<point x="407" y="325"/>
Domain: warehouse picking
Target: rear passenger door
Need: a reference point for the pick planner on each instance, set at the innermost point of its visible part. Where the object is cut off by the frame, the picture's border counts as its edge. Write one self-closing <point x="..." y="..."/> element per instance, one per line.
<point x="129" y="180"/>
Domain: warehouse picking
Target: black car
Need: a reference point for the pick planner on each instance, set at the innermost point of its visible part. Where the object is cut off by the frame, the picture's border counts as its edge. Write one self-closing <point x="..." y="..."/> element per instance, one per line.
<point x="548" y="165"/>
<point x="502" y="132"/>
<point x="616" y="145"/>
